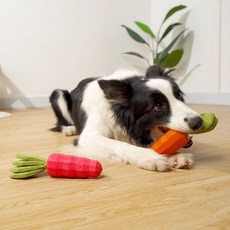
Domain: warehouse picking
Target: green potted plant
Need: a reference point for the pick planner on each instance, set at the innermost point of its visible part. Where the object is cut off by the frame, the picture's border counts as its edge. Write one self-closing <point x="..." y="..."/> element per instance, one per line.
<point x="166" y="57"/>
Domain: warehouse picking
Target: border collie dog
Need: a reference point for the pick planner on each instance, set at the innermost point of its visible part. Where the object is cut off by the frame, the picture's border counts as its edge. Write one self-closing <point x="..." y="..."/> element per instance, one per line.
<point x="121" y="115"/>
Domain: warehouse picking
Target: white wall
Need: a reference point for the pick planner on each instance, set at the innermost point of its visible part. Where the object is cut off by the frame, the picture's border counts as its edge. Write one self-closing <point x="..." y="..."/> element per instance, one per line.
<point x="48" y="44"/>
<point x="209" y="36"/>
<point x="225" y="47"/>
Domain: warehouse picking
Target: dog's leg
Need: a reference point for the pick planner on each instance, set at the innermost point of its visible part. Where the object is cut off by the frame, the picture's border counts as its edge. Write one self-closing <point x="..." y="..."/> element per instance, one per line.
<point x="137" y="156"/>
<point x="61" y="104"/>
<point x="181" y="161"/>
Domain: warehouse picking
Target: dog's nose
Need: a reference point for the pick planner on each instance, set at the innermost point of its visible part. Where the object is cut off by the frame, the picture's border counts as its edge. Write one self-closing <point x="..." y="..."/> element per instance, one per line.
<point x="194" y="123"/>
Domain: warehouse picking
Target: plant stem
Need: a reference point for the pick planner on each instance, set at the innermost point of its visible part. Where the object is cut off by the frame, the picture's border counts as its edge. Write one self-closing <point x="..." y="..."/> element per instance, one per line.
<point x="153" y="53"/>
<point x="157" y="43"/>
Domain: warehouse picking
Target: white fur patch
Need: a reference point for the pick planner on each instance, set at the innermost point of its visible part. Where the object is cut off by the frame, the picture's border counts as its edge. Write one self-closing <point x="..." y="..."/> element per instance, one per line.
<point x="122" y="74"/>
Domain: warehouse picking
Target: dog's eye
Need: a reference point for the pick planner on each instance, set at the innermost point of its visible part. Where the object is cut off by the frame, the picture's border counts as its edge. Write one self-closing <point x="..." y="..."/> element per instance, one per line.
<point x="159" y="106"/>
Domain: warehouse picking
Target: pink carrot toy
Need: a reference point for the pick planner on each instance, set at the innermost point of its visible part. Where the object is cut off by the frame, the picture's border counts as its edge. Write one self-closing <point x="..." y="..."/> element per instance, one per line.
<point x="57" y="165"/>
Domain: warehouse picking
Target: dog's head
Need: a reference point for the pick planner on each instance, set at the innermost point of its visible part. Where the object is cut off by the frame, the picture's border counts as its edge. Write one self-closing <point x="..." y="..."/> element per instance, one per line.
<point x="142" y="104"/>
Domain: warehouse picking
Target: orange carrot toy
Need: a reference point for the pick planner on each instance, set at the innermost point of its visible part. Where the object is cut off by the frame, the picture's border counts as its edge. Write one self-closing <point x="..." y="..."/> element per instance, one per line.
<point x="170" y="142"/>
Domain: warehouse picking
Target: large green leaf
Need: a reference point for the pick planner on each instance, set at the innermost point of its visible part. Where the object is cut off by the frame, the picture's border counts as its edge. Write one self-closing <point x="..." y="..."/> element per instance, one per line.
<point x="173" y="58"/>
<point x="135" y="36"/>
<point x="137" y="55"/>
<point x="168" y="30"/>
<point x="163" y="54"/>
<point x="173" y="11"/>
<point x="145" y="28"/>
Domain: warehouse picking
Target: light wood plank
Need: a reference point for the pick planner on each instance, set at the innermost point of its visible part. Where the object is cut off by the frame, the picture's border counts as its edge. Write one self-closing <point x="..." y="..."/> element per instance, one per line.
<point x="124" y="197"/>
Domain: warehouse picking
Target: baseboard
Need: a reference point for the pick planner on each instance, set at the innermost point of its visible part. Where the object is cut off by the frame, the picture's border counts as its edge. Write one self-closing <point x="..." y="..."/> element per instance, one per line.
<point x="24" y="102"/>
<point x="38" y="102"/>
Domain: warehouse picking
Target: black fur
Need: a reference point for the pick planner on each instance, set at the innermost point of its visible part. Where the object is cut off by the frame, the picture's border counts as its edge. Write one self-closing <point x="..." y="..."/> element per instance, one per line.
<point x="156" y="70"/>
<point x="61" y="120"/>
<point x="137" y="108"/>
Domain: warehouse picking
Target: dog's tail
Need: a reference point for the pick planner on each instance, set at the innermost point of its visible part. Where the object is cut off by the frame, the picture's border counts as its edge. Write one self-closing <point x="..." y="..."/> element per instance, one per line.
<point x="62" y="104"/>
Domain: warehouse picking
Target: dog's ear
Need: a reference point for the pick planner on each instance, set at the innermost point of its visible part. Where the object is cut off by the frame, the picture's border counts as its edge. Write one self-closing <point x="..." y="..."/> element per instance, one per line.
<point x="116" y="91"/>
<point x="156" y="71"/>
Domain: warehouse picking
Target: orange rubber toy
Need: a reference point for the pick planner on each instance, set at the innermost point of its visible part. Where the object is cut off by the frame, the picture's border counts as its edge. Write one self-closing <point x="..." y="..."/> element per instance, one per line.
<point x="170" y="142"/>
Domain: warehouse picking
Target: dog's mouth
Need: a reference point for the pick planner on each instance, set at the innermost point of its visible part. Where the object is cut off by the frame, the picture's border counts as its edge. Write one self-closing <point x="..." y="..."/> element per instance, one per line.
<point x="164" y="129"/>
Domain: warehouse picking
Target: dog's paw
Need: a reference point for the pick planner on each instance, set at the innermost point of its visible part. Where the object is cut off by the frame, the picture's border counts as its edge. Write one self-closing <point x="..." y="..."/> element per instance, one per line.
<point x="181" y="161"/>
<point x="160" y="165"/>
<point x="69" y="130"/>
<point x="153" y="163"/>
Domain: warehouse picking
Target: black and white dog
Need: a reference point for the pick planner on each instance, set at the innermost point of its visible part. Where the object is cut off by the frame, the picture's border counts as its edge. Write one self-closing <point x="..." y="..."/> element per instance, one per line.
<point x="120" y="115"/>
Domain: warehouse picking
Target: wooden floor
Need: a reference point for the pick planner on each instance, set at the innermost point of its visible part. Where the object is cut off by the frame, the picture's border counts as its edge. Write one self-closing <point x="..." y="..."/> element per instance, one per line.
<point x="124" y="197"/>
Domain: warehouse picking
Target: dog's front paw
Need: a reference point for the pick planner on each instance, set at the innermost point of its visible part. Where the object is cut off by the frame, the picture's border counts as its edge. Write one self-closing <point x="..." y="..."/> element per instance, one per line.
<point x="159" y="165"/>
<point x="154" y="163"/>
<point x="181" y="161"/>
